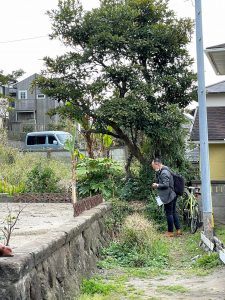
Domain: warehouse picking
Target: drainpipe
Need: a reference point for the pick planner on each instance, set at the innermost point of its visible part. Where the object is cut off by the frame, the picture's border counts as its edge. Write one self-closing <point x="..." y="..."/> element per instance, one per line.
<point x="203" y="128"/>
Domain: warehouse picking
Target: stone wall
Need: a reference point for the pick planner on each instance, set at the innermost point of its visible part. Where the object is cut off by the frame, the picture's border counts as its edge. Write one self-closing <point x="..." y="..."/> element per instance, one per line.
<point x="53" y="266"/>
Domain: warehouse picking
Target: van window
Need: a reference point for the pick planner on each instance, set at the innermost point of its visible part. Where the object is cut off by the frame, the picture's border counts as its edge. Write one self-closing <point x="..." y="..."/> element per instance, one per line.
<point x="36" y="140"/>
<point x="41" y="139"/>
<point x="31" y="140"/>
<point x="51" y="138"/>
<point x="63" y="137"/>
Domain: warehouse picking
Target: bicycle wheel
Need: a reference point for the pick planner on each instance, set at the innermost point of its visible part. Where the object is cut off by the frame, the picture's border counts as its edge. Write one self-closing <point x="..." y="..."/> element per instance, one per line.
<point x="194" y="220"/>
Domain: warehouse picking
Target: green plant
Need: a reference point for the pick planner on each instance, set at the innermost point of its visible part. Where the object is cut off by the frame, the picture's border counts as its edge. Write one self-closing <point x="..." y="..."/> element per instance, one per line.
<point x="173" y="288"/>
<point x="120" y="210"/>
<point x="138" y="245"/>
<point x="208" y="261"/>
<point x="95" y="286"/>
<point x="42" y="179"/>
<point x="155" y="213"/>
<point x="75" y="154"/>
<point x="11" y="189"/>
<point x="100" y="175"/>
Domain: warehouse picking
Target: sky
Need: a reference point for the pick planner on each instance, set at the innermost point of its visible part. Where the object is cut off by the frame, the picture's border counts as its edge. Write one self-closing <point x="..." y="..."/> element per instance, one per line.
<point x="24" y="29"/>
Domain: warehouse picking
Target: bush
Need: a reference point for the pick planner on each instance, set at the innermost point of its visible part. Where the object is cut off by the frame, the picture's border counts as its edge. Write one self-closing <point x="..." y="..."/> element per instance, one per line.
<point x="138" y="187"/>
<point x="155" y="213"/>
<point x="15" y="165"/>
<point x="42" y="180"/>
<point x="138" y="245"/>
<point x="120" y="210"/>
<point x="100" y="175"/>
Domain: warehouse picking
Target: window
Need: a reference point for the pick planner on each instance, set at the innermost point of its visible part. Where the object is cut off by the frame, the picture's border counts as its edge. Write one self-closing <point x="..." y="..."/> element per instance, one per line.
<point x="22" y="94"/>
<point x="40" y="96"/>
<point x="24" y="116"/>
<point x="41" y="140"/>
<point x="51" y="138"/>
<point x="31" y="140"/>
<point x="36" y="140"/>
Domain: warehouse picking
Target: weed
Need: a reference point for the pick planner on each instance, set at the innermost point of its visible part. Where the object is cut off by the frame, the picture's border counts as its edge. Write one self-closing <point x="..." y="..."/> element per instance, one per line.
<point x="208" y="261"/>
<point x="94" y="286"/>
<point x="220" y="233"/>
<point x="138" y="245"/>
<point x="172" y="288"/>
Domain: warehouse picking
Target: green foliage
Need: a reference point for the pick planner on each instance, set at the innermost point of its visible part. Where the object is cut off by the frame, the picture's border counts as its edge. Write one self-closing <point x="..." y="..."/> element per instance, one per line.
<point x="120" y="210"/>
<point x="173" y="288"/>
<point x="15" y="165"/>
<point x="138" y="187"/>
<point x="138" y="245"/>
<point x="150" y="81"/>
<point x="10" y="189"/>
<point x="208" y="261"/>
<point x="155" y="213"/>
<point x="100" y="175"/>
<point x="93" y="286"/>
<point x="220" y="232"/>
<point x="42" y="180"/>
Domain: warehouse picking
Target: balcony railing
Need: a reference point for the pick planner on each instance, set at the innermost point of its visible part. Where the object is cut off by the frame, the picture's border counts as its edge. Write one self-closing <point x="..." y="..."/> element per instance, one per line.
<point x="25" y="104"/>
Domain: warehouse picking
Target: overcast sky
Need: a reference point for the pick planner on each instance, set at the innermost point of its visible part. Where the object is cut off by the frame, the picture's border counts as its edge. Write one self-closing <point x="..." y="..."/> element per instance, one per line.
<point x="24" y="29"/>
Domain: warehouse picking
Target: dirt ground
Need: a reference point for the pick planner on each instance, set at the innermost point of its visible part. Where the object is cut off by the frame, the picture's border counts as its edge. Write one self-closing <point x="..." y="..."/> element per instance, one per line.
<point x="180" y="281"/>
<point x="210" y="287"/>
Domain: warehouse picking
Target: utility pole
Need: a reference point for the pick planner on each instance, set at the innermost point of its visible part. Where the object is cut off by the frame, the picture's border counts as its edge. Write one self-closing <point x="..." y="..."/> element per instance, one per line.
<point x="203" y="128"/>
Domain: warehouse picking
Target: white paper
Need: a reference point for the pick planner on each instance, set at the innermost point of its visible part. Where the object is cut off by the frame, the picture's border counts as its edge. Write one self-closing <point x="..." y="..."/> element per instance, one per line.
<point x="159" y="201"/>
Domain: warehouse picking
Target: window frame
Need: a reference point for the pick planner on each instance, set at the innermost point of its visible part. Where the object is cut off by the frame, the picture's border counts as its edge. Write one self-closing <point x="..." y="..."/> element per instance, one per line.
<point x="19" y="94"/>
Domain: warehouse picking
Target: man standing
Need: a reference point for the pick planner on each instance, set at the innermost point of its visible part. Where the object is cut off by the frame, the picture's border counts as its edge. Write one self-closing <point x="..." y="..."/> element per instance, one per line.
<point x="165" y="188"/>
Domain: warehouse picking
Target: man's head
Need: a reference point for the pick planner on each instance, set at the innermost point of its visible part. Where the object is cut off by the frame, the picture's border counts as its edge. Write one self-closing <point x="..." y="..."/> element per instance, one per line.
<point x="156" y="164"/>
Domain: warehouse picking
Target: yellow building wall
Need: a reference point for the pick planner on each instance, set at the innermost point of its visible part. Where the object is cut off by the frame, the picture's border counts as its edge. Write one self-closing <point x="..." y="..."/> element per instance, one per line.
<point x="217" y="161"/>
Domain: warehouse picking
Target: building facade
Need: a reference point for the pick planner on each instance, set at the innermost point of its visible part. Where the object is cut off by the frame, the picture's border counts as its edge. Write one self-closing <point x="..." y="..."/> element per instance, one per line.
<point x="30" y="108"/>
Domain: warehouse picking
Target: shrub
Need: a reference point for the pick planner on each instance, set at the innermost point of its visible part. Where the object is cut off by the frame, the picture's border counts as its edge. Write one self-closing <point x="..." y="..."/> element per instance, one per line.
<point x="15" y="165"/>
<point x="155" y="213"/>
<point x="120" y="210"/>
<point x="42" y="180"/>
<point x="138" y="245"/>
<point x="100" y="175"/>
<point x="138" y="187"/>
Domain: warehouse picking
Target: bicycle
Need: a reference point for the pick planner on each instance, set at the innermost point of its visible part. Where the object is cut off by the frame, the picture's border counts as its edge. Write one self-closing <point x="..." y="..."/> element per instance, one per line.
<point x="191" y="209"/>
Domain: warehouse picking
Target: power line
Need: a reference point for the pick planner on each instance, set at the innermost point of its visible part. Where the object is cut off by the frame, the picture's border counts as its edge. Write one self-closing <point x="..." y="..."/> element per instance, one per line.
<point x="25" y="39"/>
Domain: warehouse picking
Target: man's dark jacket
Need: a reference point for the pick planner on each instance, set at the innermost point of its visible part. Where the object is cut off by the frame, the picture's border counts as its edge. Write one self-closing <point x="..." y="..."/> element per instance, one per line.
<point x="165" y="189"/>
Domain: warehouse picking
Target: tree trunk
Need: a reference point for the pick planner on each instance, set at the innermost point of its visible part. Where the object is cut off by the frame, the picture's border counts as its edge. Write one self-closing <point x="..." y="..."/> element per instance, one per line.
<point x="89" y="141"/>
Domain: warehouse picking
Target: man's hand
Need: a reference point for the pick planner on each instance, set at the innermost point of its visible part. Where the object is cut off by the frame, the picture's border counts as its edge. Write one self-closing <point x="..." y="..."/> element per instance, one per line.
<point x="155" y="185"/>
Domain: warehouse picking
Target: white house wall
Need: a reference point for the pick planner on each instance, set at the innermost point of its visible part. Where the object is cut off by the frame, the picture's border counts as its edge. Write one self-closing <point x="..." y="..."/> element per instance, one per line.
<point x="214" y="100"/>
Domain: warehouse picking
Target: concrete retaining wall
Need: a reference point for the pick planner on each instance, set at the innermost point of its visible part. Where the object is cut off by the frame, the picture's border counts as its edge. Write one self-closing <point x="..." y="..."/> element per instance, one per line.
<point x="53" y="266"/>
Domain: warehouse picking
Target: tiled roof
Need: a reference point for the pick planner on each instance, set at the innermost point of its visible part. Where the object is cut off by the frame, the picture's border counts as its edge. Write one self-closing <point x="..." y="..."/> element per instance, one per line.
<point x="218" y="87"/>
<point x="216" y="124"/>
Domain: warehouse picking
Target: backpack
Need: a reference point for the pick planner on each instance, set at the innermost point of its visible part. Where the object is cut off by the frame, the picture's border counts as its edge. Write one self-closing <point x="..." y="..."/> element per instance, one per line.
<point x="179" y="184"/>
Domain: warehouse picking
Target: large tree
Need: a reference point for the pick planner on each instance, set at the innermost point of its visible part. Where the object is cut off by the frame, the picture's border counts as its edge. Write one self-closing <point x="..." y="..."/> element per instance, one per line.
<point x="127" y="67"/>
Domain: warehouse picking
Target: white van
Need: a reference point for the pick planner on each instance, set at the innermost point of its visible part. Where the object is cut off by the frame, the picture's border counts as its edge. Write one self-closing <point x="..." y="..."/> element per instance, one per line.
<point x="46" y="140"/>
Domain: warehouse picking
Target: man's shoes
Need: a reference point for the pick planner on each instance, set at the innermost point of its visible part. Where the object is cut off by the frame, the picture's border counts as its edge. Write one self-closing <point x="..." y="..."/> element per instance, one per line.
<point x="169" y="234"/>
<point x="178" y="232"/>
